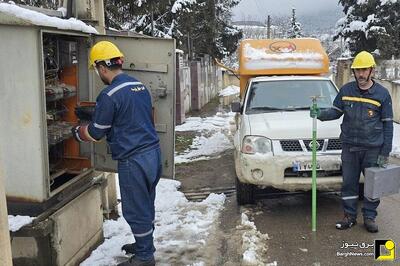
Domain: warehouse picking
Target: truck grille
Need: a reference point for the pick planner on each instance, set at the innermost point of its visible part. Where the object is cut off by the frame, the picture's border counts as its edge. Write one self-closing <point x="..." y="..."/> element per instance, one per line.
<point x="291" y="145"/>
<point x="307" y="143"/>
<point x="334" y="144"/>
<point x="297" y="145"/>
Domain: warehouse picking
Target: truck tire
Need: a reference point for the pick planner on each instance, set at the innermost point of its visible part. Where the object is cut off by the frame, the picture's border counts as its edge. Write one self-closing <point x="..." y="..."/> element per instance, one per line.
<point x="244" y="193"/>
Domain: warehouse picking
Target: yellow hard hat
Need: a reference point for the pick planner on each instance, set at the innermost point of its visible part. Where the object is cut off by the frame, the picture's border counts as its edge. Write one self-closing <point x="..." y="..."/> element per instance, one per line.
<point x="103" y="50"/>
<point x="363" y="60"/>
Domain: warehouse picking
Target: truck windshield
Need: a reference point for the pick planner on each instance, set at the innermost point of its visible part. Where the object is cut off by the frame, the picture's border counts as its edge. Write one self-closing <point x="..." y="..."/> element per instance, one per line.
<point x="289" y="95"/>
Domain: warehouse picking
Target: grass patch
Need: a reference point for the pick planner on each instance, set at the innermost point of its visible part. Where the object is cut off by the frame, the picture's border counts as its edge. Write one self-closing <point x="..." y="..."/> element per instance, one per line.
<point x="183" y="140"/>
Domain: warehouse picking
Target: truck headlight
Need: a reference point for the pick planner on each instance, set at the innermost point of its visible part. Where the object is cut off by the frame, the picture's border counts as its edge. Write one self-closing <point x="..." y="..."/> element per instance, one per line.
<point x="256" y="144"/>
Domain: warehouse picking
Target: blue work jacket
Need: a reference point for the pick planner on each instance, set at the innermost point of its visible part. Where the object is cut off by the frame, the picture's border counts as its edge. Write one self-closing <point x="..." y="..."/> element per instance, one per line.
<point x="368" y="116"/>
<point x="124" y="114"/>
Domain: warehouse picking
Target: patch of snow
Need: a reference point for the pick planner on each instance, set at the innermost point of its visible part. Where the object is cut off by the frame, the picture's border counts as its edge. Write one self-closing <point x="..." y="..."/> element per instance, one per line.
<point x="261" y="59"/>
<point x="266" y="64"/>
<point x="203" y="147"/>
<point x="40" y="19"/>
<point x="197" y="264"/>
<point x="217" y="122"/>
<point x="181" y="227"/>
<point x="386" y="2"/>
<point x="113" y="29"/>
<point x="179" y="4"/>
<point x="253" y="242"/>
<point x="255" y="53"/>
<point x="63" y="10"/>
<point x="17" y="222"/>
<point x="230" y="90"/>
<point x="214" y="139"/>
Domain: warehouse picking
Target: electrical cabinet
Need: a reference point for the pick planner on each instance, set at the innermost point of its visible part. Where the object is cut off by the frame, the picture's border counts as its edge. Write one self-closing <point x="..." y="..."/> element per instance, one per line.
<point x="44" y="76"/>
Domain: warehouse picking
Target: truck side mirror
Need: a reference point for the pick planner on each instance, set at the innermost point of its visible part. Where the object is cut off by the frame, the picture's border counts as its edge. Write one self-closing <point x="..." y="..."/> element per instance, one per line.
<point x="235" y="107"/>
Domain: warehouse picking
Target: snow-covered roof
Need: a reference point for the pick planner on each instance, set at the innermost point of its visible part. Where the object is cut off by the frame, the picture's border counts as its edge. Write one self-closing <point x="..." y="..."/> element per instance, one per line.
<point x="278" y="78"/>
<point x="14" y="14"/>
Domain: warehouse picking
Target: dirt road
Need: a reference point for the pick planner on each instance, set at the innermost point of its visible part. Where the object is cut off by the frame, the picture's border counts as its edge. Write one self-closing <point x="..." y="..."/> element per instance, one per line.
<point x="286" y="220"/>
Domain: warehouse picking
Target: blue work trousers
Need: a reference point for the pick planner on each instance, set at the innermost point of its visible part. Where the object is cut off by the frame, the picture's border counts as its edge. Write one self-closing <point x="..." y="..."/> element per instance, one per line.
<point x="354" y="161"/>
<point x="138" y="178"/>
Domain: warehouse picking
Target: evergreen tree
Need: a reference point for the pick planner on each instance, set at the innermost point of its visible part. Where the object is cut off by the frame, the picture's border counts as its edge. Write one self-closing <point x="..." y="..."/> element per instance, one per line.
<point x="295" y="27"/>
<point x="371" y="25"/>
<point x="199" y="26"/>
<point x="388" y="37"/>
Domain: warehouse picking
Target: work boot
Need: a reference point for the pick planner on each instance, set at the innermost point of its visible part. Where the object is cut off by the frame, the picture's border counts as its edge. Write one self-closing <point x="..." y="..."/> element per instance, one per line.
<point x="370" y="225"/>
<point x="135" y="261"/>
<point x="346" y="223"/>
<point x="129" y="249"/>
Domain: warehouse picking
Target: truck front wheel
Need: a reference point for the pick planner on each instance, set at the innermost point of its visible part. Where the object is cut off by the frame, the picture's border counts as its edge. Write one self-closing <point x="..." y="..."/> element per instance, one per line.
<point x="244" y="193"/>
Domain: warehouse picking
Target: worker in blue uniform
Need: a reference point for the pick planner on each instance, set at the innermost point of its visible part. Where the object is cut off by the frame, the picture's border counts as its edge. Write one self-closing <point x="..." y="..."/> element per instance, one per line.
<point x="123" y="114"/>
<point x="366" y="136"/>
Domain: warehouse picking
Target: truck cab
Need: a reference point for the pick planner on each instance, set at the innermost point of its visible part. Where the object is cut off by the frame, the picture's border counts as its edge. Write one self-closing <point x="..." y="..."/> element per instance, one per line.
<point x="272" y="135"/>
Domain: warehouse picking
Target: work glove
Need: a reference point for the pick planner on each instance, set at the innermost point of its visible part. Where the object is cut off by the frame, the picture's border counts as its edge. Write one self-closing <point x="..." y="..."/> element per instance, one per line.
<point x="314" y="111"/>
<point x="75" y="133"/>
<point x="382" y="161"/>
<point x="85" y="113"/>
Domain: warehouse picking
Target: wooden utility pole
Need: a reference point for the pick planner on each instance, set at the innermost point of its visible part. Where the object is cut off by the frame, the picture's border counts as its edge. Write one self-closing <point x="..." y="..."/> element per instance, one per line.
<point x="5" y="244"/>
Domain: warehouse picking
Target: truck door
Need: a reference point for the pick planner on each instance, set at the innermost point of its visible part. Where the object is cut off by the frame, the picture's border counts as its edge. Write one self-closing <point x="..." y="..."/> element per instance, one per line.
<point x="152" y="61"/>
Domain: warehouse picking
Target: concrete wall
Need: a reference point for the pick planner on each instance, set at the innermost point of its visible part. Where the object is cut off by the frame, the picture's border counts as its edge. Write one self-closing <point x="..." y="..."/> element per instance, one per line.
<point x="198" y="82"/>
<point x="394" y="90"/>
<point x="229" y="79"/>
<point x="388" y="70"/>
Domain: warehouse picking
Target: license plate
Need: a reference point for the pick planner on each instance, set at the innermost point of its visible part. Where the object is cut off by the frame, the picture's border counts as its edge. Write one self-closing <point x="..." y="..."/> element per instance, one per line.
<point x="307" y="166"/>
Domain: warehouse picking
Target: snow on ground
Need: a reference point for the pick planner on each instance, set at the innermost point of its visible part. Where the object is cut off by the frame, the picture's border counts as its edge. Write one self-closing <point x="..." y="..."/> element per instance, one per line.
<point x="214" y="139"/>
<point x="253" y="242"/>
<point x="396" y="141"/>
<point x="203" y="146"/>
<point x="230" y="90"/>
<point x="181" y="232"/>
<point x="37" y="18"/>
<point x="17" y="222"/>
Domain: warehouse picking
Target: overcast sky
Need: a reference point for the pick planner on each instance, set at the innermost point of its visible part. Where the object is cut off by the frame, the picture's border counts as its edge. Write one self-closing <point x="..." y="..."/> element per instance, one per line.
<point x="261" y="8"/>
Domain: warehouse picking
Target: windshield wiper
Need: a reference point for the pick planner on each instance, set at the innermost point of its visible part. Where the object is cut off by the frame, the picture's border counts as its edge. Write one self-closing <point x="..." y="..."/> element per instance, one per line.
<point x="302" y="108"/>
<point x="269" y="108"/>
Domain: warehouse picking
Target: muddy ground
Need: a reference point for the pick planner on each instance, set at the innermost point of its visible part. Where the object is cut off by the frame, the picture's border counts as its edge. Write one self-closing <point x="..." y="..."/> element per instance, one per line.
<point x="286" y="219"/>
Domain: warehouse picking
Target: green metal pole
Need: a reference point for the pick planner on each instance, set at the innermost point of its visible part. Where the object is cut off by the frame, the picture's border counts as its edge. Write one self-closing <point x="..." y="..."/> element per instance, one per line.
<point x="314" y="170"/>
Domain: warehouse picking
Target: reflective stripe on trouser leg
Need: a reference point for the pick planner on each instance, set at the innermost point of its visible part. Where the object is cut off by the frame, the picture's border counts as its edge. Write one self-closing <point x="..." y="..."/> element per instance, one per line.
<point x="370" y="205"/>
<point x="351" y="170"/>
<point x="138" y="177"/>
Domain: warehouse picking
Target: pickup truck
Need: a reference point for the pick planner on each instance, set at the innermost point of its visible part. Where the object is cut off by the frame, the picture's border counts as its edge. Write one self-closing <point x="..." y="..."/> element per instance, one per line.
<point x="273" y="129"/>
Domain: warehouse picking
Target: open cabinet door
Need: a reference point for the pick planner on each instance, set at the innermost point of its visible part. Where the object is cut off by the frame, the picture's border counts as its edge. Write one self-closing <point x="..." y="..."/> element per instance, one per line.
<point x="152" y="61"/>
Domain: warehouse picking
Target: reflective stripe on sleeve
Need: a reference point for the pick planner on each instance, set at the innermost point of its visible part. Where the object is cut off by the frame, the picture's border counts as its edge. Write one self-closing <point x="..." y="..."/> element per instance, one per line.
<point x="349" y="197"/>
<point x="362" y="100"/>
<point x="144" y="234"/>
<point x="387" y="119"/>
<point x="114" y="90"/>
<point x="101" y="126"/>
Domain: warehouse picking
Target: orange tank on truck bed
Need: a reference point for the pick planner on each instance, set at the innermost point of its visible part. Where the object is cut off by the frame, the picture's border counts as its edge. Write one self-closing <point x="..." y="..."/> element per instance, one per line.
<point x="303" y="56"/>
